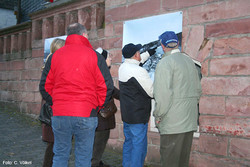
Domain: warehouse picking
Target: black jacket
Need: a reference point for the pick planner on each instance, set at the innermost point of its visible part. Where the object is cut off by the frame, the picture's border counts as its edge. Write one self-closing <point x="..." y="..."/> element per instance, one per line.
<point x="135" y="102"/>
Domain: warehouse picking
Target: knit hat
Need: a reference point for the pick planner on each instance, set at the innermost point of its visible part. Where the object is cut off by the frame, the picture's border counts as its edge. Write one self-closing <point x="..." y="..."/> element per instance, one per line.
<point x="102" y="52"/>
<point x="130" y="49"/>
<point x="168" y="37"/>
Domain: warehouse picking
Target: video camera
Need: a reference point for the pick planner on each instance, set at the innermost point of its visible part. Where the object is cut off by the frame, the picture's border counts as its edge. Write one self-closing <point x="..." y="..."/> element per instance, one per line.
<point x="150" y="45"/>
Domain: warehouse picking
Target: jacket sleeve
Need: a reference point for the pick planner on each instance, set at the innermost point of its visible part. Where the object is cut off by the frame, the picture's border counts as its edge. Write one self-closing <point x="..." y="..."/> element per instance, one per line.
<point x="46" y="82"/>
<point x="162" y="90"/>
<point x="104" y="82"/>
<point x="145" y="81"/>
<point x="116" y="93"/>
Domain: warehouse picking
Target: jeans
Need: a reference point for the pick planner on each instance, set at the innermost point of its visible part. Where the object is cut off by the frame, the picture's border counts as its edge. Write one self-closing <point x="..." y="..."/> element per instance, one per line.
<point x="83" y="129"/>
<point x="135" y="144"/>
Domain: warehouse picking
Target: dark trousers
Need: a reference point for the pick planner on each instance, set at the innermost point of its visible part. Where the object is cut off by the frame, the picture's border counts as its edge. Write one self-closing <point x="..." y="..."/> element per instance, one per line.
<point x="175" y="149"/>
<point x="48" y="156"/>
<point x="101" y="139"/>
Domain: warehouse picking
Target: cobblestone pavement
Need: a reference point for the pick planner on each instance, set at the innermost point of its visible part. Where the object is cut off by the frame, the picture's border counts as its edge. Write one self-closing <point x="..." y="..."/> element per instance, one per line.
<point x="21" y="144"/>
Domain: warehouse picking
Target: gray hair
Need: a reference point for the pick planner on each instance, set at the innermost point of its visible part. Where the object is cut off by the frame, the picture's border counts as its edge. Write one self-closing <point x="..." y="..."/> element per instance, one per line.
<point x="76" y="28"/>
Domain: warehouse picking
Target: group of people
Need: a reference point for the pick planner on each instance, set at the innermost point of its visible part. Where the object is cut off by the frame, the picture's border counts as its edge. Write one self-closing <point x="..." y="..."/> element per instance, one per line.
<point x="77" y="83"/>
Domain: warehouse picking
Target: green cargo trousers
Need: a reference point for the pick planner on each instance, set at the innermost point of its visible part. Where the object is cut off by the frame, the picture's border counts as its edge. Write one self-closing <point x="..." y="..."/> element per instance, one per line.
<point x="175" y="149"/>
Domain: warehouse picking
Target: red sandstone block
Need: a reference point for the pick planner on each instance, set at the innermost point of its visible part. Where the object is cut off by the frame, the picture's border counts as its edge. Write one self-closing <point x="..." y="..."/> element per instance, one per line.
<point x="195" y="144"/>
<point x="84" y="17"/>
<point x="47" y="28"/>
<point x="38" y="97"/>
<point x="59" y="25"/>
<point x="225" y="86"/>
<point x="185" y="32"/>
<point x="34" y="74"/>
<point x="23" y="107"/>
<point x="118" y="117"/>
<point x="17" y="85"/>
<point x="14" y="75"/>
<point x="212" y="105"/>
<point x="113" y="4"/>
<point x="231" y="46"/>
<point x="115" y="144"/>
<point x="194" y="41"/>
<point x="2" y="66"/>
<point x="28" y="96"/>
<point x="228" y="28"/>
<point x="21" y="42"/>
<point x="113" y="43"/>
<point x="1" y="44"/>
<point x="14" y="43"/>
<point x="114" y="70"/>
<point x="100" y="16"/>
<point x="37" y="53"/>
<point x="173" y="4"/>
<point x="213" y="144"/>
<point x="34" y="63"/>
<point x="118" y="28"/>
<point x="114" y="133"/>
<point x="218" y="10"/>
<point x="28" y="40"/>
<point x="100" y="33"/>
<point x="230" y="66"/>
<point x="239" y="148"/>
<point x="204" y="160"/>
<point x="116" y="56"/>
<point x="116" y="84"/>
<point x="36" y="30"/>
<point x="134" y="10"/>
<point x="154" y="138"/>
<point x="33" y="108"/>
<point x="73" y="16"/>
<point x="17" y="65"/>
<point x="153" y="154"/>
<point x="225" y="125"/>
<point x="109" y="30"/>
<point x="38" y="44"/>
<point x="238" y="106"/>
<point x="32" y="85"/>
<point x="205" y="50"/>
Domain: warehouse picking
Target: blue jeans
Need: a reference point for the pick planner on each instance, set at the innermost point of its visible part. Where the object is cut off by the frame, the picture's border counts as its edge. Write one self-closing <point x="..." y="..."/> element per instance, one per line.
<point x="135" y="144"/>
<point x="83" y="129"/>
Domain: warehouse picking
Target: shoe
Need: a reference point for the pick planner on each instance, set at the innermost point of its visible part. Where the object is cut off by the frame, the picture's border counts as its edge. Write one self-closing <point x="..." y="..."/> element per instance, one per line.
<point x="101" y="164"/>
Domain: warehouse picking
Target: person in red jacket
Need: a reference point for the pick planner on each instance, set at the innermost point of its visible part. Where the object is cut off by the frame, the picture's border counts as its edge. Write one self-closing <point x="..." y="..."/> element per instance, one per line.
<point x="77" y="83"/>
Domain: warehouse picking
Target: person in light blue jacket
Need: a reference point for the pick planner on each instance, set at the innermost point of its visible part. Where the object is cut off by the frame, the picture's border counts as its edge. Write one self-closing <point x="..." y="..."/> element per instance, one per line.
<point x="177" y="90"/>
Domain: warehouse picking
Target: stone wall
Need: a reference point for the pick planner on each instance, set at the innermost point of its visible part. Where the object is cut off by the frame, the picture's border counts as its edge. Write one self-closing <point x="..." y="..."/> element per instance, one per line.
<point x="215" y="32"/>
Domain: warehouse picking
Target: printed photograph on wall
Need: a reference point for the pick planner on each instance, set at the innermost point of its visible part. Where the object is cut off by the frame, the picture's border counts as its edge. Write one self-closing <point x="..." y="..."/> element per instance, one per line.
<point x="47" y="44"/>
<point x="146" y="31"/>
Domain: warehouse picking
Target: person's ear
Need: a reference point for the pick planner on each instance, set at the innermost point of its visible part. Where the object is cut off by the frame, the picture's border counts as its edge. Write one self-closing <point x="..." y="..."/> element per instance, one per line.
<point x="85" y="35"/>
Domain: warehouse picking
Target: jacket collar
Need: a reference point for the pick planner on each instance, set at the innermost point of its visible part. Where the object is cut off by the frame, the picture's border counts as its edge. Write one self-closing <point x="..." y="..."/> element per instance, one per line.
<point x="78" y="40"/>
<point x="132" y="61"/>
<point x="171" y="52"/>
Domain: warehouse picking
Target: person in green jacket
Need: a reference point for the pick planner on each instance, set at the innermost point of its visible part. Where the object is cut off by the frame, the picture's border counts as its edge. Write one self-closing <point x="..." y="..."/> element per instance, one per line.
<point x="177" y="90"/>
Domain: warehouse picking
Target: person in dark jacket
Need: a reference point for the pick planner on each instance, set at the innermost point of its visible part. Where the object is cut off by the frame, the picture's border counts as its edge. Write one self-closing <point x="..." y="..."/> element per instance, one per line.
<point x="47" y="133"/>
<point x="77" y="83"/>
<point x="136" y="91"/>
<point x="104" y="124"/>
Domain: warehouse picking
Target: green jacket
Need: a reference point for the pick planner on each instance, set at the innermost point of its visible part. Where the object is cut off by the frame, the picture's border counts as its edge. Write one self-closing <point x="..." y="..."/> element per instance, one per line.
<point x="177" y="90"/>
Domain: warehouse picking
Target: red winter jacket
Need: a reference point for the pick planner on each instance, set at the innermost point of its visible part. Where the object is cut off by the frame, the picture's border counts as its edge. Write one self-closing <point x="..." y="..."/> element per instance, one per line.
<point x="76" y="79"/>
